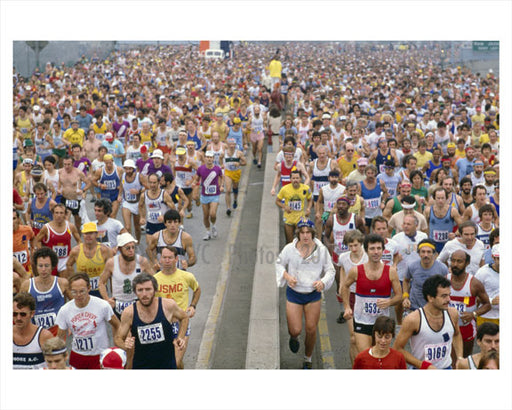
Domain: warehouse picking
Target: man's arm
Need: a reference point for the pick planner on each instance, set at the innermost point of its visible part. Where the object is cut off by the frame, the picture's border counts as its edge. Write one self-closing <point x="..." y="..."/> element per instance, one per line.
<point x="457" y="337"/>
<point x="115" y="323"/>
<point x="120" y="338"/>
<point x="172" y="310"/>
<point x="345" y="291"/>
<point x="186" y="240"/>
<point x="191" y="309"/>
<point x="410" y="325"/>
<point x="73" y="256"/>
<point x="151" y="241"/>
<point x="104" y="277"/>
<point x="40" y="236"/>
<point x="388" y="209"/>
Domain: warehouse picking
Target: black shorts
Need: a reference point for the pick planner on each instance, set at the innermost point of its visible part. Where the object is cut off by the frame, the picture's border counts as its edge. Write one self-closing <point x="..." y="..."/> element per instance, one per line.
<point x="362" y="328"/>
<point x="187" y="191"/>
<point x="72" y="204"/>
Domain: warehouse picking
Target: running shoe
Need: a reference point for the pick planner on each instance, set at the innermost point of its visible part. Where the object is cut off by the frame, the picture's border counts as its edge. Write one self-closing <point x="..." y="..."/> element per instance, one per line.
<point x="294" y="344"/>
<point x="189" y="215"/>
<point x="307" y="365"/>
<point x="259" y="165"/>
<point x="207" y="237"/>
<point x="228" y="212"/>
<point x="93" y="199"/>
<point x="341" y="319"/>
<point x="235" y="204"/>
<point x="214" y="232"/>
<point x="254" y="161"/>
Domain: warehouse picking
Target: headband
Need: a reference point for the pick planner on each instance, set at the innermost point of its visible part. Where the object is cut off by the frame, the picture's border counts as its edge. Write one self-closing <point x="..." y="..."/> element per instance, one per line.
<point x="56" y="352"/>
<point x="422" y="245"/>
<point x="490" y="172"/>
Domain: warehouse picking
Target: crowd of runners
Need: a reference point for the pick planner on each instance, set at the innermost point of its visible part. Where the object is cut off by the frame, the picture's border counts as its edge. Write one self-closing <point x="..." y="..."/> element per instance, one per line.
<point x="387" y="176"/>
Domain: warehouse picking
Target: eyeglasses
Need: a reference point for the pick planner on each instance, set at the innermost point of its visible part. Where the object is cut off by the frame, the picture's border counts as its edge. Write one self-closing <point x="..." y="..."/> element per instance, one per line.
<point x="129" y="247"/>
<point x="22" y="314"/>
<point x="79" y="292"/>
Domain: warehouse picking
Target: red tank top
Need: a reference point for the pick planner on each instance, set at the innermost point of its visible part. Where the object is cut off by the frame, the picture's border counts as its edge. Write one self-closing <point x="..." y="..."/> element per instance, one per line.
<point x="59" y="242"/>
<point x="286" y="173"/>
<point x="380" y="287"/>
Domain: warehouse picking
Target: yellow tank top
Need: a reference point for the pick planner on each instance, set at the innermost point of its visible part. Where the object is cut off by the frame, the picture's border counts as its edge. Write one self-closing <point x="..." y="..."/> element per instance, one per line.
<point x="93" y="266"/>
<point x="24" y="126"/>
<point x="356" y="208"/>
<point x="22" y="187"/>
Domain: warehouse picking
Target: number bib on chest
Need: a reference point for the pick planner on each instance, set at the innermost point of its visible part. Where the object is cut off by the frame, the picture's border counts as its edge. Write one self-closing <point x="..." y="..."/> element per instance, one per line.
<point x="295" y="205"/>
<point x="211" y="190"/>
<point x="153" y="333"/>
<point x="440" y="236"/>
<point x="130" y="197"/>
<point x="460" y="306"/>
<point x="45" y="320"/>
<point x="372" y="203"/>
<point x="111" y="184"/>
<point x="436" y="352"/>
<point x="61" y="251"/>
<point x="72" y="203"/>
<point x="22" y="256"/>
<point x="84" y="344"/>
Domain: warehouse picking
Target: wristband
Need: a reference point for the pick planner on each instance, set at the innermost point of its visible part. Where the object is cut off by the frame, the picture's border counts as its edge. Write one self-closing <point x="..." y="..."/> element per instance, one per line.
<point x="474" y="314"/>
<point x="425" y="365"/>
<point x="192" y="305"/>
<point x="405" y="295"/>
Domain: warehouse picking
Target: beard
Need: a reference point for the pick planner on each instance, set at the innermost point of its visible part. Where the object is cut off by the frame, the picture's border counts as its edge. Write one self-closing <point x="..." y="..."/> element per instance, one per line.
<point x="457" y="271"/>
<point x="127" y="258"/>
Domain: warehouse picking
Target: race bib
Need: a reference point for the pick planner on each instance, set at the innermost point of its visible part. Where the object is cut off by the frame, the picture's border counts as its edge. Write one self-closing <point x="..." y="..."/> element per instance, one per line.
<point x="436" y="352"/>
<point x="372" y="203"/>
<point x="440" y="236"/>
<point x="370" y="308"/>
<point x="153" y="216"/>
<point x="295" y="205"/>
<point x="153" y="333"/>
<point x="111" y="184"/>
<point x="24" y="130"/>
<point x="83" y="344"/>
<point x="329" y="205"/>
<point x="21" y="256"/>
<point x="94" y="282"/>
<point x="100" y="136"/>
<point x="45" y="320"/>
<point x="120" y="306"/>
<point x="111" y="151"/>
<point x="211" y="190"/>
<point x="147" y="144"/>
<point x="319" y="184"/>
<point x="460" y="306"/>
<point x="72" y="203"/>
<point x="37" y="225"/>
<point x="61" y="251"/>
<point x="130" y="197"/>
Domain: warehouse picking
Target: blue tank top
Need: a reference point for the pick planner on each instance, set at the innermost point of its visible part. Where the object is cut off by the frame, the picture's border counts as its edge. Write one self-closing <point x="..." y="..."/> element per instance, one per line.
<point x="194" y="138"/>
<point x="372" y="200"/>
<point x="48" y="304"/>
<point x="153" y="341"/>
<point x="112" y="181"/>
<point x="237" y="135"/>
<point x="381" y="159"/>
<point x="42" y="215"/>
<point x="432" y="168"/>
<point x="491" y="200"/>
<point x="439" y="228"/>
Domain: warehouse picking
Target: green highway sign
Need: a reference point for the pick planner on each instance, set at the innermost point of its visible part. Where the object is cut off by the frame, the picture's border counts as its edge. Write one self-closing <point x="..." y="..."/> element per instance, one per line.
<point x="486" y="45"/>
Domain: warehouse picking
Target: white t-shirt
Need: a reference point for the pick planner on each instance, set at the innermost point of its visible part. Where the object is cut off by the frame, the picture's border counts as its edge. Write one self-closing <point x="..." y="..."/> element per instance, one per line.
<point x="408" y="250"/>
<point x="107" y="232"/>
<point x="88" y="325"/>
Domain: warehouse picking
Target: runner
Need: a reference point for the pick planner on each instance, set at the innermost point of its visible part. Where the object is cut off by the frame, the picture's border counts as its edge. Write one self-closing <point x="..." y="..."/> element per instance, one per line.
<point x="49" y="292"/>
<point x="89" y="257"/>
<point x="374" y="283"/>
<point x="174" y="283"/>
<point x="108" y="180"/>
<point x="487" y="339"/>
<point x="86" y="318"/>
<point x="55" y="354"/>
<point x="57" y="235"/>
<point x="432" y="330"/>
<point x="152" y="349"/>
<point x="27" y="337"/>
<point x="234" y="158"/>
<point x="132" y="184"/>
<point x="22" y="241"/>
<point x="210" y="178"/>
<point x="305" y="266"/>
<point x="154" y="203"/>
<point x="108" y="227"/>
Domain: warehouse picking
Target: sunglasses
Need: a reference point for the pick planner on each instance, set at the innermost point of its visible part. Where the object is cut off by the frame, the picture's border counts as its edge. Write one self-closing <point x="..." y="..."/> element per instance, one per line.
<point x="22" y="314"/>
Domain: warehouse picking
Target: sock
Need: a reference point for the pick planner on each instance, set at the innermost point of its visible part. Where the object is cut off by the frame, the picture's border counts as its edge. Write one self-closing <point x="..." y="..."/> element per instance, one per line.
<point x="307" y="359"/>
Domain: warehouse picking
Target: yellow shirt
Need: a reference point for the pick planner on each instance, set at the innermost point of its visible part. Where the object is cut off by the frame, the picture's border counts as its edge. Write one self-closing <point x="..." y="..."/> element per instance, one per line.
<point x="176" y="286"/>
<point x="422" y="159"/>
<point x="347" y="167"/>
<point x="275" y="68"/>
<point x="93" y="266"/>
<point x="296" y="200"/>
<point x="74" y="137"/>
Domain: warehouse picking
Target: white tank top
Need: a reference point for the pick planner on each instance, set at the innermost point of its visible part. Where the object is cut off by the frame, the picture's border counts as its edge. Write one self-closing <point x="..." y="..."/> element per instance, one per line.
<point x="122" y="284"/>
<point x="183" y="173"/>
<point x="320" y="176"/>
<point x="434" y="347"/>
<point x="155" y="207"/>
<point x="127" y="196"/>
<point x="331" y="196"/>
<point x="338" y="233"/>
<point x="29" y="356"/>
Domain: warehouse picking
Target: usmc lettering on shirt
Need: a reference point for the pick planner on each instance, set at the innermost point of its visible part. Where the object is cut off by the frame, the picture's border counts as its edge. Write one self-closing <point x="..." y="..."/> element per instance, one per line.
<point x="168" y="290"/>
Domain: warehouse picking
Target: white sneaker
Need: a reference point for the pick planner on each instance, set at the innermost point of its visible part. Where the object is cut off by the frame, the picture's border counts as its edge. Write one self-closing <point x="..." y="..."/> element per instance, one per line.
<point x="207" y="237"/>
<point x="214" y="232"/>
